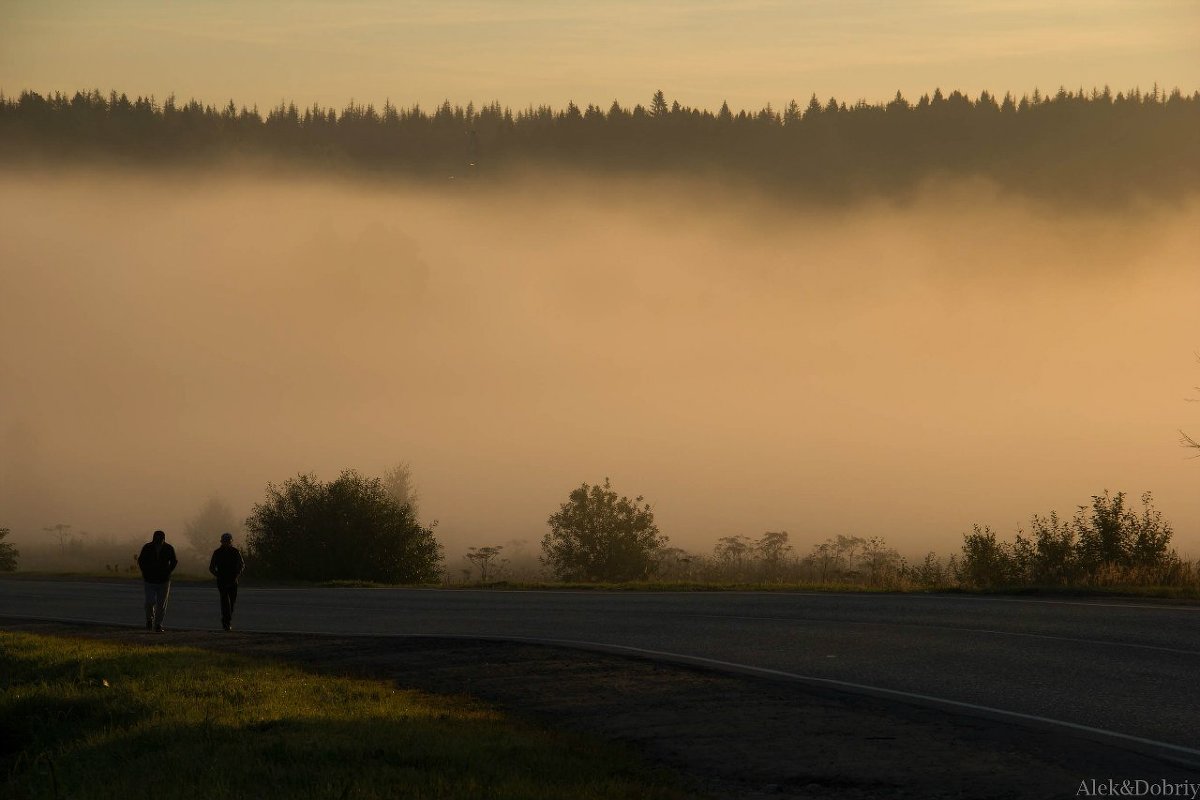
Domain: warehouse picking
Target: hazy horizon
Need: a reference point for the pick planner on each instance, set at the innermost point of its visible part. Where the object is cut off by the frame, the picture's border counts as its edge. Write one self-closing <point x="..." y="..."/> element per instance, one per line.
<point x="702" y="52"/>
<point x="895" y="369"/>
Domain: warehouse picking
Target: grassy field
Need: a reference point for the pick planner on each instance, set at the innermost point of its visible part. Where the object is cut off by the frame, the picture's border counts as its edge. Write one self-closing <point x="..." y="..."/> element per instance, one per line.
<point x="84" y="719"/>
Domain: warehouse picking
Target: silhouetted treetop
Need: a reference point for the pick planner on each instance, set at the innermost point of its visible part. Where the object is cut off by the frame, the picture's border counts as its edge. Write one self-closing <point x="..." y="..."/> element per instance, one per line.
<point x="1098" y="145"/>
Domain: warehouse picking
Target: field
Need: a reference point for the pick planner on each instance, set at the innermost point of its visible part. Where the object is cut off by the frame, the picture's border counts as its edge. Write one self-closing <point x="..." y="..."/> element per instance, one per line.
<point x="95" y="719"/>
<point x="337" y="716"/>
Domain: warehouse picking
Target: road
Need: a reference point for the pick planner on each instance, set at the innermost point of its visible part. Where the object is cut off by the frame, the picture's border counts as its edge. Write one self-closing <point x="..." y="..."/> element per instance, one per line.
<point x="1125" y="668"/>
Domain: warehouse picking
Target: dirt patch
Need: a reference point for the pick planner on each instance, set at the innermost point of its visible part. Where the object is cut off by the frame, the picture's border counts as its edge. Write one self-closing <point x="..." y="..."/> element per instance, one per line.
<point x="734" y="736"/>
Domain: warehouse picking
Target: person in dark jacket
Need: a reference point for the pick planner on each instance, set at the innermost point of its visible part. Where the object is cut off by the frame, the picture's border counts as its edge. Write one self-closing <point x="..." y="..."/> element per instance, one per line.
<point x="157" y="561"/>
<point x="227" y="566"/>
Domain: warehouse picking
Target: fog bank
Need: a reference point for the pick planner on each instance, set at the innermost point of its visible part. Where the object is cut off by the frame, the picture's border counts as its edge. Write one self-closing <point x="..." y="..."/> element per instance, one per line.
<point x="887" y="370"/>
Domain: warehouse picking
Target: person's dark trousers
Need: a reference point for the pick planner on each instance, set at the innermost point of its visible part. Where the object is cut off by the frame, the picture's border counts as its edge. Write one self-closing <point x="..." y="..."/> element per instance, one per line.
<point x="228" y="593"/>
<point x="156" y="604"/>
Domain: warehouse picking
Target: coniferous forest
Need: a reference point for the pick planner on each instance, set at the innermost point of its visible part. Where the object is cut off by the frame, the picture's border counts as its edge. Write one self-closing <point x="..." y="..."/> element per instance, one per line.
<point x="1098" y="146"/>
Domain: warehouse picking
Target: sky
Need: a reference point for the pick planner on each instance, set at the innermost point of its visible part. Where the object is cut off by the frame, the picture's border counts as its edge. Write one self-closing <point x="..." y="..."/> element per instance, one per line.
<point x="531" y="52"/>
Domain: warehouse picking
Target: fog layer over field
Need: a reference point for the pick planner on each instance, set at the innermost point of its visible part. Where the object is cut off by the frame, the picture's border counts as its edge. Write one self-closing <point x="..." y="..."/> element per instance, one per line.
<point x="901" y="370"/>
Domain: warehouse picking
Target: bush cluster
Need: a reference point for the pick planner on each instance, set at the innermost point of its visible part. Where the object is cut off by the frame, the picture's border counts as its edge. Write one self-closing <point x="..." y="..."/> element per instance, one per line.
<point x="771" y="559"/>
<point x="1106" y="542"/>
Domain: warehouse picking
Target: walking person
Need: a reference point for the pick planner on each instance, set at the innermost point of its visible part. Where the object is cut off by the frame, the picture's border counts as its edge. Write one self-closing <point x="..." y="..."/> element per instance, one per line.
<point x="157" y="561"/>
<point x="227" y="566"/>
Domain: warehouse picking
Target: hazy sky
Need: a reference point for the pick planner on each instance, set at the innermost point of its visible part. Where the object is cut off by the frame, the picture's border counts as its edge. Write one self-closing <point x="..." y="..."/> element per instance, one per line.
<point x="535" y="51"/>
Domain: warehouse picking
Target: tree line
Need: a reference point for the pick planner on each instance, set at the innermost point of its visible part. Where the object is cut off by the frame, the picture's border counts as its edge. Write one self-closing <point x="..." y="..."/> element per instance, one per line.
<point x="360" y="528"/>
<point x="355" y="528"/>
<point x="1101" y="145"/>
<point x="1107" y="542"/>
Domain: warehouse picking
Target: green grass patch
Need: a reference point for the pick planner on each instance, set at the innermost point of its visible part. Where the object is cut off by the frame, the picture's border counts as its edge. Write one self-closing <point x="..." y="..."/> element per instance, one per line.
<point x="82" y="718"/>
<point x="99" y="575"/>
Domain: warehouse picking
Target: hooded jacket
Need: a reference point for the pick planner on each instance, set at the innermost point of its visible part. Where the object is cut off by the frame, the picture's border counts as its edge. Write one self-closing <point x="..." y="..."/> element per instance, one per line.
<point x="157" y="563"/>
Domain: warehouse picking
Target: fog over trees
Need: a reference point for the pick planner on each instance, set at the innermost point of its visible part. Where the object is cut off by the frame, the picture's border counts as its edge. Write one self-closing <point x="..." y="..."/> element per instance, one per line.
<point x="975" y="306"/>
<point x="1099" y="145"/>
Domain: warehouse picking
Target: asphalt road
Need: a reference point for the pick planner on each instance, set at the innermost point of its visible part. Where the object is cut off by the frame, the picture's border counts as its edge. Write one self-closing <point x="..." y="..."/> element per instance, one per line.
<point x="1123" y="667"/>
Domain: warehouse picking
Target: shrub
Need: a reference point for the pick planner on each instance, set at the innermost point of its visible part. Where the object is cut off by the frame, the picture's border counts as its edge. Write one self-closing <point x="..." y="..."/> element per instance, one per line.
<point x="351" y="528"/>
<point x="1112" y="533"/>
<point x="598" y="536"/>
<point x="986" y="561"/>
<point x="1050" y="557"/>
<point x="8" y="553"/>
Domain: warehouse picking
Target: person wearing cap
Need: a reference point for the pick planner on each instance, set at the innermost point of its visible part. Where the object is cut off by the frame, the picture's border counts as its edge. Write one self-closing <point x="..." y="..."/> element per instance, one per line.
<point x="227" y="566"/>
<point x="157" y="561"/>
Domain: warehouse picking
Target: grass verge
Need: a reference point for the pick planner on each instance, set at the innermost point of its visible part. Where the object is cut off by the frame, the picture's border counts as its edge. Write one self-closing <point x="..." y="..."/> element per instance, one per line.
<point x="88" y="719"/>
